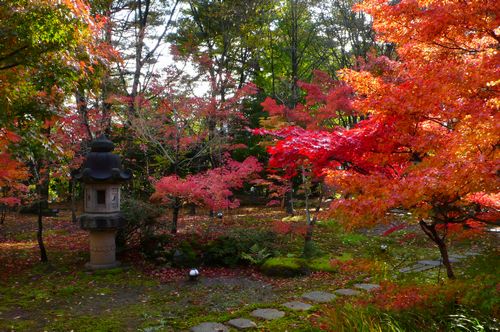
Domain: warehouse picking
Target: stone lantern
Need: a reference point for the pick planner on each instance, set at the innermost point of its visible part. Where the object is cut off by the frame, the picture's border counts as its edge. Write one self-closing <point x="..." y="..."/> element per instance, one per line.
<point x="102" y="175"/>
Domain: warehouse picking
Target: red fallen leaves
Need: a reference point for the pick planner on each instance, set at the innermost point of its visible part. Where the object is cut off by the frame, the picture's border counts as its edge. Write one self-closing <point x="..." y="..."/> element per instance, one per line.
<point x="358" y="265"/>
<point x="395" y="297"/>
<point x="285" y="228"/>
<point x="20" y="253"/>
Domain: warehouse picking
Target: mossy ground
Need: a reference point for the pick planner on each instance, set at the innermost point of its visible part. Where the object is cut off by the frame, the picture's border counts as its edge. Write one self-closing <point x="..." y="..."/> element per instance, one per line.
<point x="61" y="296"/>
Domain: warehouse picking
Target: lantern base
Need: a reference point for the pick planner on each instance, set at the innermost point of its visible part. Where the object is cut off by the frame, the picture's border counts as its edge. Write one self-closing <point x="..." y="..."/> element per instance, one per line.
<point x="93" y="267"/>
<point x="102" y="250"/>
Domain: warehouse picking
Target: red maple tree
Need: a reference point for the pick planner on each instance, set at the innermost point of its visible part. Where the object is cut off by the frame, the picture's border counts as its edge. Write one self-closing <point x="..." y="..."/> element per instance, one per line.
<point x="430" y="135"/>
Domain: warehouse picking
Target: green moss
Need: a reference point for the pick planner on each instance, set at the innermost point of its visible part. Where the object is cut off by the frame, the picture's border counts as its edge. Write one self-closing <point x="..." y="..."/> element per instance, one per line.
<point x="346" y="256"/>
<point x="18" y="325"/>
<point x="353" y="239"/>
<point x="285" y="267"/>
<point x="87" y="324"/>
<point x="321" y="264"/>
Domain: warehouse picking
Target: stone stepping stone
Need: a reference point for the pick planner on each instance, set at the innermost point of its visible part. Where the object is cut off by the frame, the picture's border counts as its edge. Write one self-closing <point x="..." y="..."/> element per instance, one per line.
<point x="298" y="306"/>
<point x="472" y="253"/>
<point x="318" y="296"/>
<point x="457" y="256"/>
<point x="407" y="269"/>
<point x="367" y="287"/>
<point x="242" y="323"/>
<point x="423" y="268"/>
<point x="430" y="262"/>
<point x="347" y="292"/>
<point x="267" y="314"/>
<point x="416" y="268"/>
<point x="210" y="327"/>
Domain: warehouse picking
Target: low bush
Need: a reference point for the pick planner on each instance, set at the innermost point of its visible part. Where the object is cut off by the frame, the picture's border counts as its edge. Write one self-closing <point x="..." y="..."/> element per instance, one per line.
<point x="153" y="246"/>
<point x="140" y="218"/>
<point x="185" y="255"/>
<point x="235" y="247"/>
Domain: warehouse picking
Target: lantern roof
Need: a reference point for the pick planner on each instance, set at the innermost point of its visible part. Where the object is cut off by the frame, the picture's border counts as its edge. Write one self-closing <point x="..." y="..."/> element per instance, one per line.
<point x="101" y="165"/>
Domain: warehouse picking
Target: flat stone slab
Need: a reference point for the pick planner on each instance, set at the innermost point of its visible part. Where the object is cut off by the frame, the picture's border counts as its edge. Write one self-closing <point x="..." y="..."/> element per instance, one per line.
<point x="457" y="256"/>
<point x="267" y="314"/>
<point x="296" y="305"/>
<point x="430" y="262"/>
<point x="407" y="269"/>
<point x="367" y="287"/>
<point x="347" y="292"/>
<point x="318" y="296"/>
<point x="242" y="323"/>
<point x="423" y="268"/>
<point x="210" y="327"/>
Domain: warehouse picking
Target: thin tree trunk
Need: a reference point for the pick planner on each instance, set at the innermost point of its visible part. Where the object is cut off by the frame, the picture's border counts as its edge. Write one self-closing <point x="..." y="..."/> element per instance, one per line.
<point x="310" y="225"/>
<point x="294" y="53"/>
<point x="289" y="203"/>
<point x="309" y="221"/>
<point x="430" y="231"/>
<point x="175" y="216"/>
<point x="82" y="107"/>
<point x="73" y="200"/>
<point x="192" y="209"/>
<point x="39" y="233"/>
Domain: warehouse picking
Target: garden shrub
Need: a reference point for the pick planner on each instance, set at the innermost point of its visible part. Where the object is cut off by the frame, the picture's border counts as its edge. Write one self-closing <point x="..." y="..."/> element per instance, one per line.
<point x="140" y="218"/>
<point x="256" y="255"/>
<point x="185" y="255"/>
<point x="285" y="267"/>
<point x="233" y="248"/>
<point x="223" y="251"/>
<point x="153" y="246"/>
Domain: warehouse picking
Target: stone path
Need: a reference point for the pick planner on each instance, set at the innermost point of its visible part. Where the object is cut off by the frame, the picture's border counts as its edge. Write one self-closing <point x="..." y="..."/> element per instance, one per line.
<point x="425" y="265"/>
<point x="297" y="306"/>
<point x="367" y="287"/>
<point x="242" y="323"/>
<point x="267" y="314"/>
<point x="272" y="314"/>
<point x="319" y="297"/>
<point x="347" y="292"/>
<point x="210" y="327"/>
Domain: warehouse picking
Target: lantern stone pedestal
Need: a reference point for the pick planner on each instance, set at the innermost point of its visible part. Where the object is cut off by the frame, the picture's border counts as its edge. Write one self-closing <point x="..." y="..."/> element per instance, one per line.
<point x="102" y="240"/>
<point x="102" y="174"/>
<point x="102" y="250"/>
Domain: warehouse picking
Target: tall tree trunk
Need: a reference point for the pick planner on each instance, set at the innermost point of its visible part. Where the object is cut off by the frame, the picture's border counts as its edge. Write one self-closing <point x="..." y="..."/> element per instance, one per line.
<point x="289" y="203"/>
<point x="294" y="48"/>
<point x="431" y="232"/>
<point x="39" y="233"/>
<point x="175" y="215"/>
<point x="82" y="107"/>
<point x="312" y="223"/>
<point x="73" y="200"/>
<point x="192" y="209"/>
